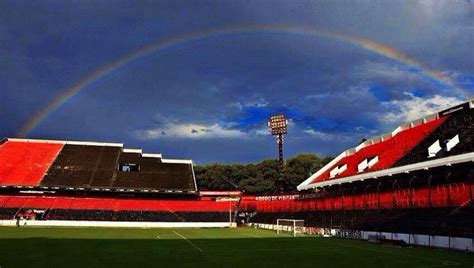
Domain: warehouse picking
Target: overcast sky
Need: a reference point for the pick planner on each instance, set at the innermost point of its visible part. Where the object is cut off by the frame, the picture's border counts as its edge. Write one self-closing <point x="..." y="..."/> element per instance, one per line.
<point x="208" y="98"/>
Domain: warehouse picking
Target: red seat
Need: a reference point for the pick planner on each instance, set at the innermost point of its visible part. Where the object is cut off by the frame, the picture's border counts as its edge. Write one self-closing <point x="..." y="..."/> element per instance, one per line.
<point x="114" y="204"/>
<point x="388" y="151"/>
<point x="25" y="163"/>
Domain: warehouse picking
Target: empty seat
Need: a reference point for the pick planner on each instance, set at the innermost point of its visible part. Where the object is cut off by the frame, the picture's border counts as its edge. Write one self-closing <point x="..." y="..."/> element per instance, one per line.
<point x="25" y="163"/>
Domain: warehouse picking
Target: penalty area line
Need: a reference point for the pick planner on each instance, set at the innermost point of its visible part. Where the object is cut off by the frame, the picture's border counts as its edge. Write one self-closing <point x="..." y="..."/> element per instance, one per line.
<point x="191" y="243"/>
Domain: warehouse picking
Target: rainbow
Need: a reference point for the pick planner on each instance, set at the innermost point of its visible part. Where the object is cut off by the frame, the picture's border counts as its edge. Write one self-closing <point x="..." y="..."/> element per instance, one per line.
<point x="73" y="90"/>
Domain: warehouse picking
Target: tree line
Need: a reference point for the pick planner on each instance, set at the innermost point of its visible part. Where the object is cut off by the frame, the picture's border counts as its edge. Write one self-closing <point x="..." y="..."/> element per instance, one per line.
<point x="265" y="177"/>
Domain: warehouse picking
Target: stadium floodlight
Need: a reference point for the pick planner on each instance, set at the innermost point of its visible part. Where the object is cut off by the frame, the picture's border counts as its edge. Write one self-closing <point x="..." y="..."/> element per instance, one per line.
<point x="278" y="126"/>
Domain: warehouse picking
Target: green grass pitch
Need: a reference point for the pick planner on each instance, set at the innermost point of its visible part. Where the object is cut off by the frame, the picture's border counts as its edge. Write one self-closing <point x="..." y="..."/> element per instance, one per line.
<point x="240" y="247"/>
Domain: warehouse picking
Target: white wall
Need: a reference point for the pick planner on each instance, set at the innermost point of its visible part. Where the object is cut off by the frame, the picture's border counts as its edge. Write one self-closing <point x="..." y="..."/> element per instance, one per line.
<point x="118" y="224"/>
<point x="457" y="243"/>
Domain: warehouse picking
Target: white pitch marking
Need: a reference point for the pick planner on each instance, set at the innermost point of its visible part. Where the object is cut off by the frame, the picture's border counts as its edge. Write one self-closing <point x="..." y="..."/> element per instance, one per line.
<point x="191" y="243"/>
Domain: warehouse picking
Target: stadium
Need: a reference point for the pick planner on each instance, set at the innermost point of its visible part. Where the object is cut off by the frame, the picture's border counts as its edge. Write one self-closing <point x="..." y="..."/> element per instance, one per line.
<point x="237" y="133"/>
<point x="409" y="188"/>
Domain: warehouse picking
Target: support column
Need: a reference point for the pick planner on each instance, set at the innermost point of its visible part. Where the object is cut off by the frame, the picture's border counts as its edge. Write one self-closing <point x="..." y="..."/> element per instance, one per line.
<point x="410" y="207"/>
<point x="280" y="148"/>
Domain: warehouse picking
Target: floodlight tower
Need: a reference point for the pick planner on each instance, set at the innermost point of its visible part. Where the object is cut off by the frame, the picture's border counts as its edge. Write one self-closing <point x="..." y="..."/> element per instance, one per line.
<point x="278" y="126"/>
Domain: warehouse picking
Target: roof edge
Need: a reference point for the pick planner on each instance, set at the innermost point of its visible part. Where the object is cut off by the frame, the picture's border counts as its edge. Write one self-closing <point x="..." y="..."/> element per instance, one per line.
<point x="177" y="161"/>
<point x="445" y="161"/>
<point x="87" y="143"/>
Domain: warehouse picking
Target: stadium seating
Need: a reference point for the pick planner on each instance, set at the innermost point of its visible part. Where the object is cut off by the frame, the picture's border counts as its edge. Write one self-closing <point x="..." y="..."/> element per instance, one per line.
<point x="155" y="174"/>
<point x="84" y="166"/>
<point x="7" y="213"/>
<point x="447" y="195"/>
<point x="166" y="216"/>
<point x="80" y="215"/>
<point x="447" y="133"/>
<point x="25" y="163"/>
<point x="388" y="151"/>
<point x="122" y="209"/>
<point x="445" y="208"/>
<point x="142" y="216"/>
<point x="461" y="123"/>
<point x="106" y="167"/>
<point x="131" y="204"/>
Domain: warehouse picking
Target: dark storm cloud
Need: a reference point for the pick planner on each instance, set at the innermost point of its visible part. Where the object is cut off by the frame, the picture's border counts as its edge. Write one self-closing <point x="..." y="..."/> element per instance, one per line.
<point x="209" y="99"/>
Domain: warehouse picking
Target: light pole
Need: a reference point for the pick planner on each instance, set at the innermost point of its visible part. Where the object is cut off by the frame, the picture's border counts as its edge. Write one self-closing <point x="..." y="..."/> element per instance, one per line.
<point x="278" y="126"/>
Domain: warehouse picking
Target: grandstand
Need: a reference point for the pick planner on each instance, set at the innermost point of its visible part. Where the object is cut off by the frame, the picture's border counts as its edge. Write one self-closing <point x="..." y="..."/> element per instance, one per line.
<point x="45" y="164"/>
<point x="71" y="181"/>
<point x="416" y="181"/>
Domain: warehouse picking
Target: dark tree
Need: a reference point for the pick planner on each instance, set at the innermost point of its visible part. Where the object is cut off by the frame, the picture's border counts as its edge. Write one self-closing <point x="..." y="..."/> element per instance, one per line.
<point x="261" y="178"/>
